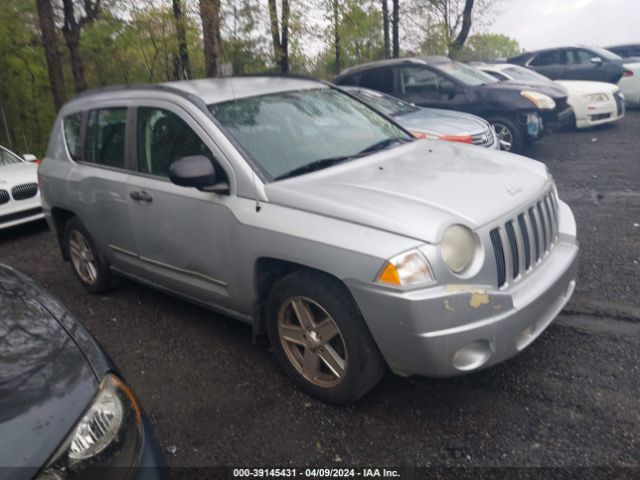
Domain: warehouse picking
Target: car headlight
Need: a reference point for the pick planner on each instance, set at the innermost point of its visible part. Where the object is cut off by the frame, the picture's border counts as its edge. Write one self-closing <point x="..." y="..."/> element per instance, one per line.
<point x="110" y="434"/>
<point x="540" y="100"/>
<point x="458" y="248"/>
<point x="409" y="268"/>
<point x="596" y="97"/>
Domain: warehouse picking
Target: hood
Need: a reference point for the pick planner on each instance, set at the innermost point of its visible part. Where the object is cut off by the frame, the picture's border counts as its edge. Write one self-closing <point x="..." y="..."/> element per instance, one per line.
<point x="582" y="87"/>
<point x="18" y="174"/>
<point x="548" y="88"/>
<point x="417" y="189"/>
<point x="442" y="122"/>
<point x="45" y="381"/>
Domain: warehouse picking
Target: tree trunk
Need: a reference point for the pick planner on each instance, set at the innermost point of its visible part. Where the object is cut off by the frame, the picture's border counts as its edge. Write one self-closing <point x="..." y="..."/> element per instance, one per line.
<point x="71" y="32"/>
<point x="336" y="33"/>
<point x="395" y="20"/>
<point x="466" y="27"/>
<point x="210" y="15"/>
<point x="182" y="69"/>
<point x="284" y="64"/>
<point x="52" y="54"/>
<point x="385" y="28"/>
<point x="280" y="40"/>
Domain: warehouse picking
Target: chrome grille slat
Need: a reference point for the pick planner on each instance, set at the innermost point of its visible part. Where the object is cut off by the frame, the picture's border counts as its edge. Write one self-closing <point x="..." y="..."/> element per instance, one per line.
<point x="482" y="138"/>
<point x="521" y="242"/>
<point x="513" y="246"/>
<point x="24" y="191"/>
<point x="4" y="197"/>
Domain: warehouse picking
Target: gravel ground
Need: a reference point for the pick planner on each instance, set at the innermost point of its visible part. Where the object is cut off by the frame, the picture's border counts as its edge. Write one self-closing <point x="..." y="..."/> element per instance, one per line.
<point x="570" y="399"/>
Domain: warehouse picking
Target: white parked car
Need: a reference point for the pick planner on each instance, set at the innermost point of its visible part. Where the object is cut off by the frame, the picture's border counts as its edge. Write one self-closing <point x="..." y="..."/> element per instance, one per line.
<point x="19" y="192"/>
<point x="630" y="84"/>
<point x="593" y="103"/>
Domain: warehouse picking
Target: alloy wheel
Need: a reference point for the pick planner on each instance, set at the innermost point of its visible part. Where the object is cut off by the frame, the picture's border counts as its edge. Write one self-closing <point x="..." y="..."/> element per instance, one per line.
<point x="312" y="341"/>
<point x="505" y="137"/>
<point x="82" y="258"/>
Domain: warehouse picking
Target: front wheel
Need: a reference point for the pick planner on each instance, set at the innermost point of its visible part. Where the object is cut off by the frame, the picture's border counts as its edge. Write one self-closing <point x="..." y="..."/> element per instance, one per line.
<point x="320" y="338"/>
<point x="510" y="135"/>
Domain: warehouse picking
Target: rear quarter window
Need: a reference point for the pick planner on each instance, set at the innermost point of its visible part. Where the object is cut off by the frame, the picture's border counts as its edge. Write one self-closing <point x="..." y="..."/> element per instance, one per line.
<point x="105" y="137"/>
<point x="71" y="126"/>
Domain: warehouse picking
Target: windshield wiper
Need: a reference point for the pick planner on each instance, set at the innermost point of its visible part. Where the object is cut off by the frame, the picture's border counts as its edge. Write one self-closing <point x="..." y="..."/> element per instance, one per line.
<point x="328" y="162"/>
<point x="313" y="166"/>
<point x="381" y="145"/>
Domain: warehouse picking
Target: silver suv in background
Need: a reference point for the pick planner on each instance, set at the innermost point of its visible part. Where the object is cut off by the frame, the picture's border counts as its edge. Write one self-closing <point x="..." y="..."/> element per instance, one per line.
<point x="290" y="205"/>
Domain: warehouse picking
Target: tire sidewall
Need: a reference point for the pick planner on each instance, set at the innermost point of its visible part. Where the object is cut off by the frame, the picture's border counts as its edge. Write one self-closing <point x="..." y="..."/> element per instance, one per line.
<point x="517" y="134"/>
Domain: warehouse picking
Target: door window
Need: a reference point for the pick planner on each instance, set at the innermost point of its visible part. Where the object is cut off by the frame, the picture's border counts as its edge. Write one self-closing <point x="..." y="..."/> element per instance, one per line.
<point x="554" y="57"/>
<point x="71" y="126"/>
<point x="380" y="79"/>
<point x="105" y="137"/>
<point x="163" y="137"/>
<point x="580" y="57"/>
<point x="422" y="81"/>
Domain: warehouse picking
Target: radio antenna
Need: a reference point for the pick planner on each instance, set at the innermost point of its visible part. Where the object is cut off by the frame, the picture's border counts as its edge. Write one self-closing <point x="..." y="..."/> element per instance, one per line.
<point x="253" y="173"/>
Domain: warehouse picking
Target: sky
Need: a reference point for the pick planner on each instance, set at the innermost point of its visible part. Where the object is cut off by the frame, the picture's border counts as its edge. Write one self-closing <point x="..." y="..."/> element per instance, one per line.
<point x="553" y="23"/>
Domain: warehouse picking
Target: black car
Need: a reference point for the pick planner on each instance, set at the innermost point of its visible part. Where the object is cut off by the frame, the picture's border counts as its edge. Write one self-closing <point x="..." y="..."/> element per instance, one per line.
<point x="516" y="111"/>
<point x="65" y="411"/>
<point x="630" y="50"/>
<point x="574" y="63"/>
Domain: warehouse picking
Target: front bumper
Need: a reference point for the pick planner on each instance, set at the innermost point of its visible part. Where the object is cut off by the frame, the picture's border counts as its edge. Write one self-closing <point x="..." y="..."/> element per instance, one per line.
<point x="449" y="330"/>
<point x="152" y="462"/>
<point x="19" y="212"/>
<point x="558" y="119"/>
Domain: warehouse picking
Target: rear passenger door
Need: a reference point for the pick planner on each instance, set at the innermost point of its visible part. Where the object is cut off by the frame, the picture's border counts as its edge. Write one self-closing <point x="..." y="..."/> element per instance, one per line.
<point x="99" y="182"/>
<point x="552" y="64"/>
<point x="182" y="234"/>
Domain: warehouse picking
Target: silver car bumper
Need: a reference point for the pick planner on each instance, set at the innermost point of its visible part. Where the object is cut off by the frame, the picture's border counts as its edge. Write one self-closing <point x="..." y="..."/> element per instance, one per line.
<point x="449" y="330"/>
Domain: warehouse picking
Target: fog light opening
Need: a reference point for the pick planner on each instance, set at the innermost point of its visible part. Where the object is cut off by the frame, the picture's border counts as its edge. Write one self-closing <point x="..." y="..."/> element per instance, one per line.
<point x="472" y="356"/>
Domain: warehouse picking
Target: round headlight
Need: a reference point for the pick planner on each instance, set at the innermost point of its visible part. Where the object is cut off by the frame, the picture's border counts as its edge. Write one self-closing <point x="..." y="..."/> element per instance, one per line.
<point x="458" y="248"/>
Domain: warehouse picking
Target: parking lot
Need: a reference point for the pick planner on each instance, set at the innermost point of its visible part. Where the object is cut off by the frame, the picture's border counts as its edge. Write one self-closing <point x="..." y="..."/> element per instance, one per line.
<point x="570" y="399"/>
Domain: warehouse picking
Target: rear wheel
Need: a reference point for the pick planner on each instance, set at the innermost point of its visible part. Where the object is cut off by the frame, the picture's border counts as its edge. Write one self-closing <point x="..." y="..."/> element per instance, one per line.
<point x="509" y="133"/>
<point x="320" y="338"/>
<point x="86" y="262"/>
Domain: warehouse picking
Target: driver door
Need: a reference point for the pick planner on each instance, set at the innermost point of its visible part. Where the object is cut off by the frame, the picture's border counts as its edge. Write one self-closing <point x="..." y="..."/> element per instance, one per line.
<point x="182" y="234"/>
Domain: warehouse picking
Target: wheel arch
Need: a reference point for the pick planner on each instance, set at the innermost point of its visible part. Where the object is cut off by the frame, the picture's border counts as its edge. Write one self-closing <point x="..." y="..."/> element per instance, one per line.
<point x="59" y="217"/>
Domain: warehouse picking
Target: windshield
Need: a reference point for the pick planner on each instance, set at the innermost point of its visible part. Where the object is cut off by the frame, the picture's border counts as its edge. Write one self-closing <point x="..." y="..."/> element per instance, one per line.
<point x="606" y="54"/>
<point x="8" y="158"/>
<point x="521" y="73"/>
<point x="464" y="73"/>
<point x="384" y="103"/>
<point x="305" y="130"/>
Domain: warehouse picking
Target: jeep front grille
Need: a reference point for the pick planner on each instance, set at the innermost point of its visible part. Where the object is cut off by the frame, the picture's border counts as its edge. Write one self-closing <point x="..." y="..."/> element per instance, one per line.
<point x="524" y="241"/>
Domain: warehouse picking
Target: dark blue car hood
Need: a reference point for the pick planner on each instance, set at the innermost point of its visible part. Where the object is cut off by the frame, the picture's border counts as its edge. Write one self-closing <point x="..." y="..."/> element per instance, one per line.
<point x="46" y="381"/>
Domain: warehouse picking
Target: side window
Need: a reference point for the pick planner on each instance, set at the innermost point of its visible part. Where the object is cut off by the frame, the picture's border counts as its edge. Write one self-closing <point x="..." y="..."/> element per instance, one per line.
<point x="554" y="57"/>
<point x="579" y="56"/>
<point x="71" y="126"/>
<point x="496" y="75"/>
<point x="105" y="137"/>
<point x="632" y="52"/>
<point x="380" y="79"/>
<point x="164" y="137"/>
<point x="417" y="80"/>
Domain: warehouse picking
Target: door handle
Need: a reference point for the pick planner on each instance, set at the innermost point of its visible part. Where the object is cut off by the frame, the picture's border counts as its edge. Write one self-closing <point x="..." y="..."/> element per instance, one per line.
<point x="141" y="196"/>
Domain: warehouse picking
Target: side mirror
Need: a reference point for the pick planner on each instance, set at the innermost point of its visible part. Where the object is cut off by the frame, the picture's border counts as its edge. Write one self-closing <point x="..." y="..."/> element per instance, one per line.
<point x="596" y="60"/>
<point x="30" y="158"/>
<point x="196" y="171"/>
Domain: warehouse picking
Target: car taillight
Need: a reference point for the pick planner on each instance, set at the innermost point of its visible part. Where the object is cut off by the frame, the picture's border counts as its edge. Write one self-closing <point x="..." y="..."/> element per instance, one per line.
<point x="457" y="138"/>
<point x="627" y="73"/>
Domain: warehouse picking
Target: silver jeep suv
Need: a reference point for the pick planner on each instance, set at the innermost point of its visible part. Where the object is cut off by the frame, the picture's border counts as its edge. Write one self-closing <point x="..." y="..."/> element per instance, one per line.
<point x="290" y="205"/>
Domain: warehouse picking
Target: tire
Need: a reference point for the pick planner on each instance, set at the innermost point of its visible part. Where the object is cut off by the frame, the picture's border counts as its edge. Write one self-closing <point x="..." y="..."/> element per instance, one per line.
<point x="357" y="354"/>
<point x="87" y="264"/>
<point x="508" y="129"/>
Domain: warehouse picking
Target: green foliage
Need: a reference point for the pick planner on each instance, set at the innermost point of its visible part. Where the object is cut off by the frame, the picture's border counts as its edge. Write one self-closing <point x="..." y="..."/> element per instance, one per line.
<point x="24" y="83"/>
<point x="488" y="46"/>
